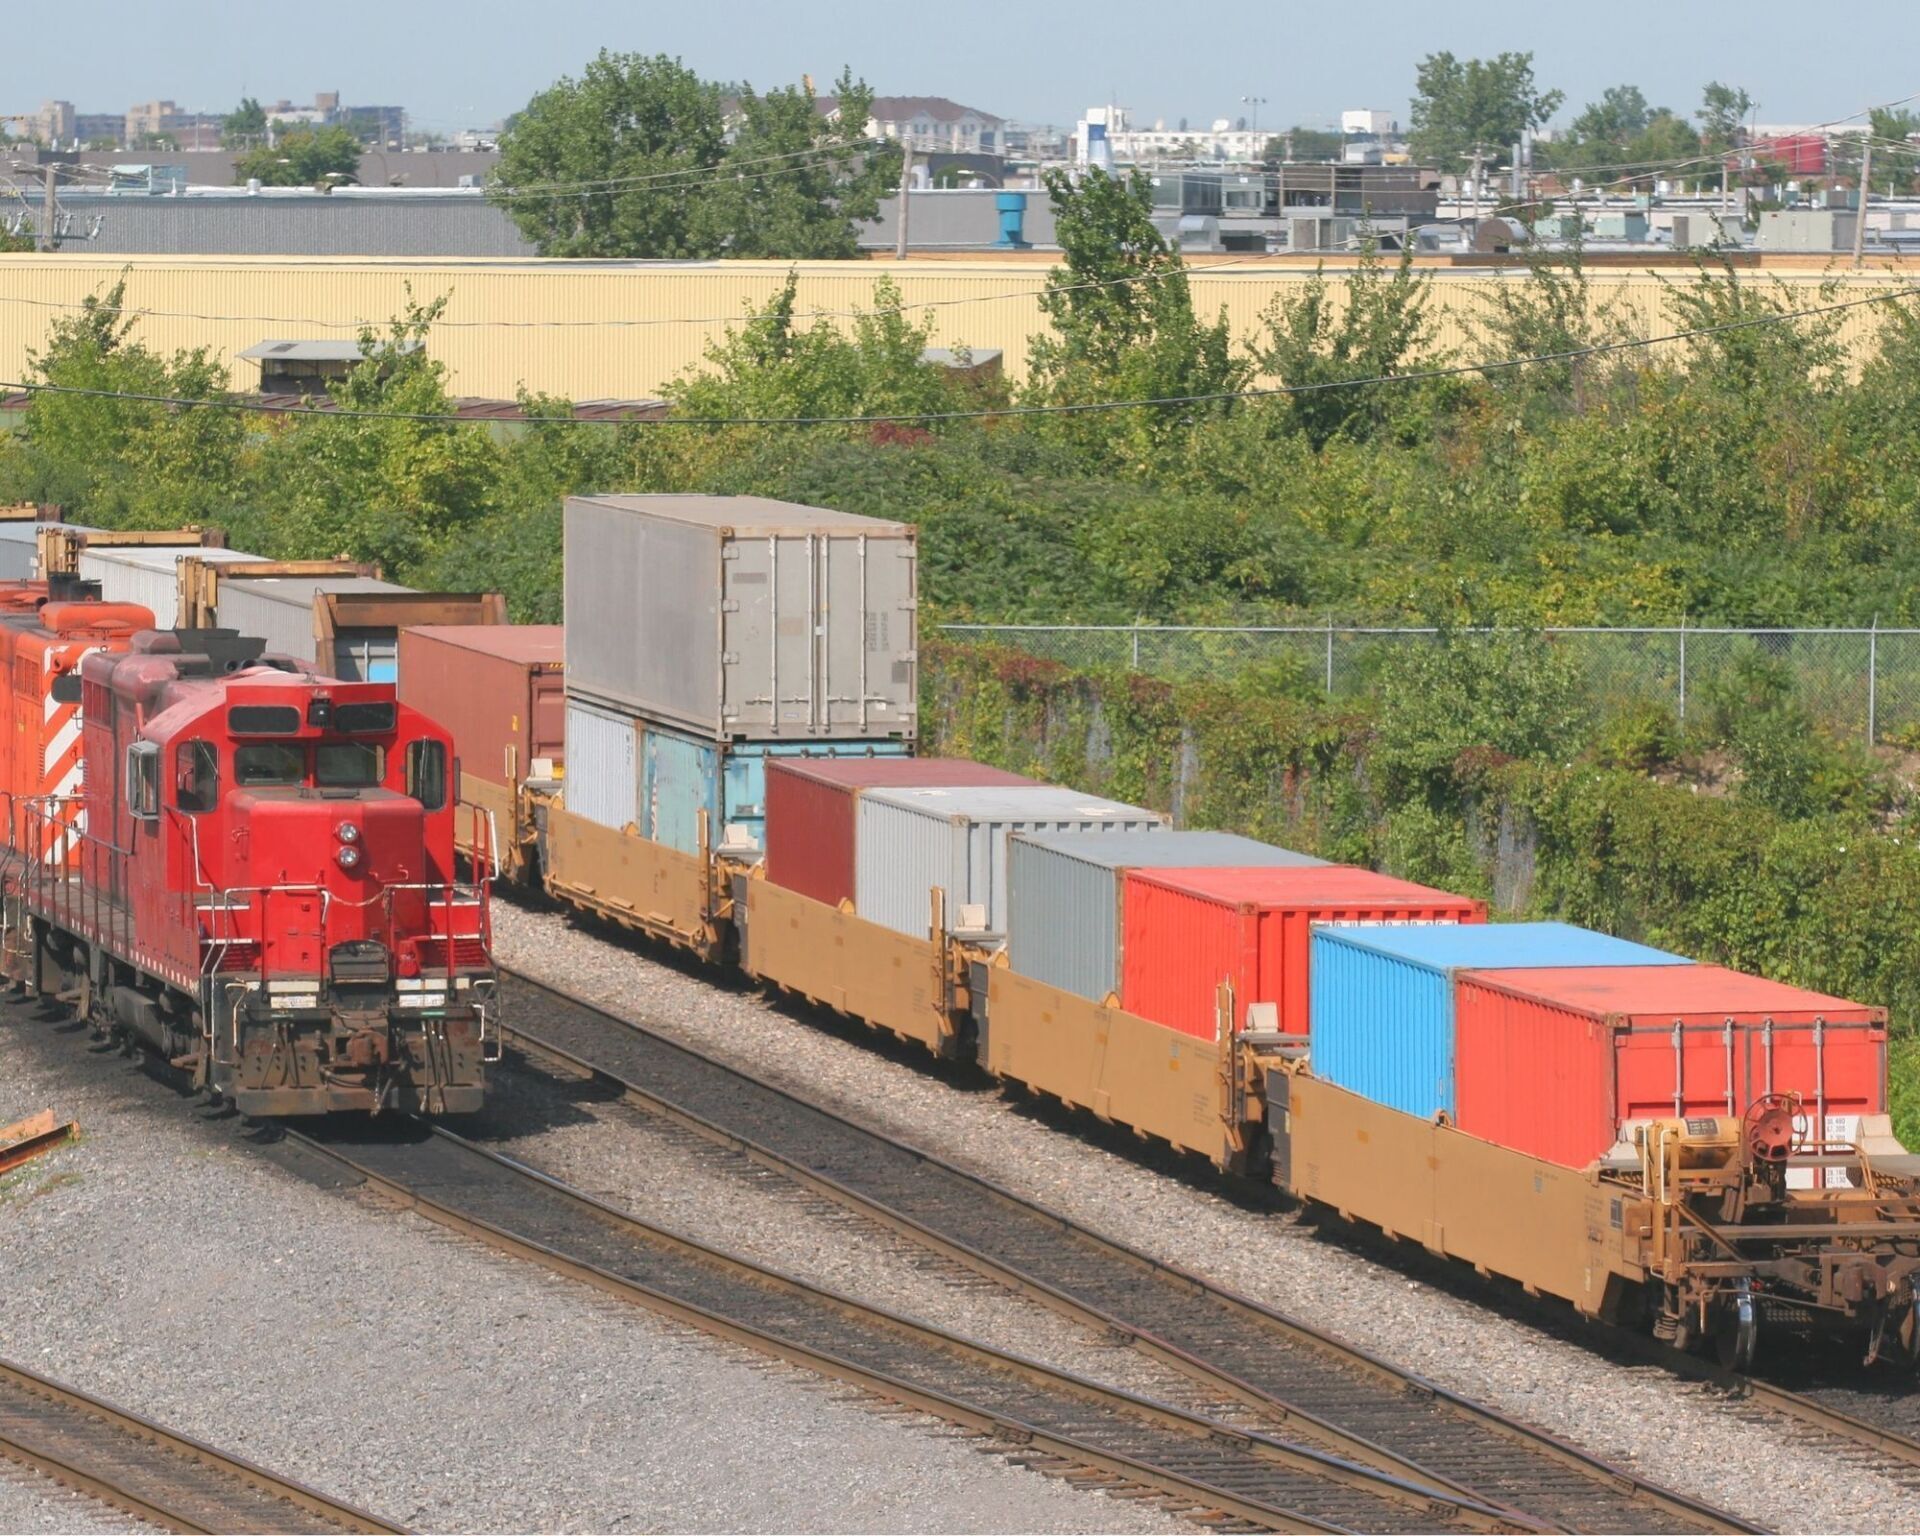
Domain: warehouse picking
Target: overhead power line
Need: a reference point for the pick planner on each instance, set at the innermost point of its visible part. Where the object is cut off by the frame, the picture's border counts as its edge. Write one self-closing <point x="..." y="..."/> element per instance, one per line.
<point x="1081" y="408"/>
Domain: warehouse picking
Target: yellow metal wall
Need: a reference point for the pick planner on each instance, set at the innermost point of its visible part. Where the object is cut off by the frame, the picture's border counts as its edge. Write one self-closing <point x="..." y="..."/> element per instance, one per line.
<point x="514" y="323"/>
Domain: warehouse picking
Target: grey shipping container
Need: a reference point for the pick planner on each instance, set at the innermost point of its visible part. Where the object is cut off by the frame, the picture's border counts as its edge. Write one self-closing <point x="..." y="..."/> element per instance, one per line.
<point x="280" y="610"/>
<point x="603" y="765"/>
<point x="740" y="618"/>
<point x="149" y="574"/>
<point x="1064" y="909"/>
<point x="912" y="840"/>
<point x="20" y="546"/>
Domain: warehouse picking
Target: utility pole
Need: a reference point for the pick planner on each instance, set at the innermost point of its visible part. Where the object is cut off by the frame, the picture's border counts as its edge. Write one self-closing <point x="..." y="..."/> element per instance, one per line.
<point x="1860" y="213"/>
<point x="1478" y="155"/>
<point x="906" y="197"/>
<point x="49" y="204"/>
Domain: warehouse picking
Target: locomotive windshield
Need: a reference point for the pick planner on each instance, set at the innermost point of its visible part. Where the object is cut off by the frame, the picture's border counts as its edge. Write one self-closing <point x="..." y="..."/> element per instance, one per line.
<point x="349" y="764"/>
<point x="269" y="763"/>
<point x="369" y="719"/>
<point x="263" y="719"/>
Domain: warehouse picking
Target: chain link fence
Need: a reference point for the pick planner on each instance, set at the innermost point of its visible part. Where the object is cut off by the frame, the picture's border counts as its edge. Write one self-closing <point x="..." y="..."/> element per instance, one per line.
<point x="1861" y="683"/>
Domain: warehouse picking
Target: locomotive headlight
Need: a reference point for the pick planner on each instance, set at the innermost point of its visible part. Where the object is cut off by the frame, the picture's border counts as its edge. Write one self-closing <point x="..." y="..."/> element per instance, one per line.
<point x="348" y="856"/>
<point x="347" y="832"/>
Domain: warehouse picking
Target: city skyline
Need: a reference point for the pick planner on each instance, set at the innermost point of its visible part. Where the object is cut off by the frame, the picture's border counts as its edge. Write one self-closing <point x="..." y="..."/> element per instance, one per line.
<point x="446" y="66"/>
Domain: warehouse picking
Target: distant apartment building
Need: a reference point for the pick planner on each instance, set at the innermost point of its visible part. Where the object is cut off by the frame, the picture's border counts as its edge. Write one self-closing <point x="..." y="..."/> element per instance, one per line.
<point x="1368" y="122"/>
<point x="372" y="125"/>
<point x="930" y="124"/>
<point x="187" y="130"/>
<point x="1107" y="134"/>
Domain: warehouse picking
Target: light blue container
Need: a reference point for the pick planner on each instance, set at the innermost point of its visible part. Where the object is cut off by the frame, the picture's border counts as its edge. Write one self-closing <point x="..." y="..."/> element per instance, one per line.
<point x="1381" y="998"/>
<point x="682" y="775"/>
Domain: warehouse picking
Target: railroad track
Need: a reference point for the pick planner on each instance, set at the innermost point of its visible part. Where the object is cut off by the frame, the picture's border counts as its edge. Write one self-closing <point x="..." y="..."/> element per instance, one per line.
<point x="1323" y="1391"/>
<point x="1229" y="1476"/>
<point x="155" y="1474"/>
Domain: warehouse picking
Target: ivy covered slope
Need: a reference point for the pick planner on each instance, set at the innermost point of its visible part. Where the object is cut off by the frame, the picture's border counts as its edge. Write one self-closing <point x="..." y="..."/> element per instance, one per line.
<point x="1477" y="765"/>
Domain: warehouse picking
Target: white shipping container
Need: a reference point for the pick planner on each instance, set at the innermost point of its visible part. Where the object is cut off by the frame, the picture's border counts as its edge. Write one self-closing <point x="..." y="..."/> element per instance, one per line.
<point x="279" y="610"/>
<point x="913" y="840"/>
<point x="603" y="776"/>
<point x="149" y="574"/>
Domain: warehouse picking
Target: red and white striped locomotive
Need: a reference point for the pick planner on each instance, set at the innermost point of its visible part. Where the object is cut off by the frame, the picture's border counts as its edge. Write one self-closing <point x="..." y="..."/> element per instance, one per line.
<point x="240" y="864"/>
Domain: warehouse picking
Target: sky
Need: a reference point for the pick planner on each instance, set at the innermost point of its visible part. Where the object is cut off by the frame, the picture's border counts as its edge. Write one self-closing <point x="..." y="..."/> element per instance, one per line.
<point x="455" y="66"/>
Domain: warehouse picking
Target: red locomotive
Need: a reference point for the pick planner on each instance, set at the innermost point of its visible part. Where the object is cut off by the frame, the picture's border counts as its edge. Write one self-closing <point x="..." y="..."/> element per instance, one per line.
<point x="261" y="880"/>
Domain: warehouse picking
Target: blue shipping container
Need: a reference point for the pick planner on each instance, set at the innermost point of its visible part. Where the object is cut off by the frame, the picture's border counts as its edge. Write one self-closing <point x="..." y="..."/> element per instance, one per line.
<point x="681" y="775"/>
<point x="1382" y="998"/>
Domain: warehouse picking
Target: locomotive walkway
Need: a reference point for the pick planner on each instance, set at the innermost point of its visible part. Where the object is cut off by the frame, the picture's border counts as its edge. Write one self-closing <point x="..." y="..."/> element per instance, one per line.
<point x="1321" y="1391"/>
<point x="1064" y="1423"/>
<point x="159" y="1476"/>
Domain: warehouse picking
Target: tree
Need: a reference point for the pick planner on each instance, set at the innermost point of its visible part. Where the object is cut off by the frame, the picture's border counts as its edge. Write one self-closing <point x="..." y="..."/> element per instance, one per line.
<point x="244" y="123"/>
<point x="615" y="163"/>
<point x="1377" y="333"/>
<point x="1459" y="105"/>
<point x="1623" y="139"/>
<point x="1723" y="116"/>
<point x="304" y="157"/>
<point x="796" y="182"/>
<point x="1123" y="323"/>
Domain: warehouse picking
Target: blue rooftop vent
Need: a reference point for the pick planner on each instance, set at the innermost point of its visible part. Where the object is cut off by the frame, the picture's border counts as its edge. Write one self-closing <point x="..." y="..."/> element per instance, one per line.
<point x="1013" y="218"/>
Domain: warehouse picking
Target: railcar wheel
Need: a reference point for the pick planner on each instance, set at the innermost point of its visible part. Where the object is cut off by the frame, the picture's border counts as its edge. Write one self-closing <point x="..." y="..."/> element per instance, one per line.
<point x="1737" y="1334"/>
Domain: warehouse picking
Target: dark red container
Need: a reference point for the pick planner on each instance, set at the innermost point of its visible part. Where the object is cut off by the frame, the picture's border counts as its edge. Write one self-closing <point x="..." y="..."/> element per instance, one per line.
<point x="810" y="811"/>
<point x="1554" y="1062"/>
<point x="1190" y="929"/>
<point x="499" y="688"/>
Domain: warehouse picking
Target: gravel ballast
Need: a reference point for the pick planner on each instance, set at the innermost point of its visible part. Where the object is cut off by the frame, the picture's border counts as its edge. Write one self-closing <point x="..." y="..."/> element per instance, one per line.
<point x="1685" y="1436"/>
<point x="31" y="1505"/>
<point x="164" y="1265"/>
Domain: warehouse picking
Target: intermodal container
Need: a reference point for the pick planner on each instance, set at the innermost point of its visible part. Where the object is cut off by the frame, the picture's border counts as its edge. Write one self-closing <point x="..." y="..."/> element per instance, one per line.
<point x="1188" y="930"/>
<point x="1559" y="1063"/>
<point x="280" y="609"/>
<point x="1064" y="916"/>
<point x="810" y="822"/>
<point x="682" y="775"/>
<point x="1382" y="999"/>
<point x="149" y="574"/>
<point x="603" y="764"/>
<point x="740" y="618"/>
<point x="910" y="841"/>
<point x="499" y="688"/>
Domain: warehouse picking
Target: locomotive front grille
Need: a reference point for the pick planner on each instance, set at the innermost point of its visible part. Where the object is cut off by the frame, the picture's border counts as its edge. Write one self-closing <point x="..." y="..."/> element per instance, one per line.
<point x="360" y="962"/>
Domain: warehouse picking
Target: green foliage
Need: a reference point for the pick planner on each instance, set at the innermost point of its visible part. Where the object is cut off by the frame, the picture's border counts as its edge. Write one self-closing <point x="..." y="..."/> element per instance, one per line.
<point x="1123" y="327"/>
<point x="246" y="121"/>
<point x="1308" y="144"/>
<point x="799" y="182"/>
<point x="1722" y="116"/>
<point x="303" y="157"/>
<point x="1624" y="141"/>
<point x="1461" y="104"/>
<point x="639" y="157"/>
<point x="1377" y="330"/>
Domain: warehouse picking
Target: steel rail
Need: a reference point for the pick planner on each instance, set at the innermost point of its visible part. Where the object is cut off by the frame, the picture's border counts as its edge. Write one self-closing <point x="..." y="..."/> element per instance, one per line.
<point x="1367" y="1409"/>
<point x="153" y="1473"/>
<point x="1197" y="1461"/>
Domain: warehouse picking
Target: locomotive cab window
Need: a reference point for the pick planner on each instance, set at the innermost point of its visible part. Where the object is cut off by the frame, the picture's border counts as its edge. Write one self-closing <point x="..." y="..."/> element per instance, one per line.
<point x="370" y="719"/>
<point x="427" y="773"/>
<point x="267" y="764"/>
<point x="349" y="764"/>
<point x="263" y="720"/>
<point x="143" y="779"/>
<point x="196" y="776"/>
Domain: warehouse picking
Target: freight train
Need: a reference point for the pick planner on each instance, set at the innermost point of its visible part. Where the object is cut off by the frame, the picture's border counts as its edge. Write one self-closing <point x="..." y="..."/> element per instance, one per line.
<point x="236" y="862"/>
<point x="1659" y="1143"/>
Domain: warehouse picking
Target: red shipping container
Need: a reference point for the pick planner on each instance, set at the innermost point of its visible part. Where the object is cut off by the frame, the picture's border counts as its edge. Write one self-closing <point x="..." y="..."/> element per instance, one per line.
<point x="1552" y="1062"/>
<point x="1190" y="929"/>
<point x="810" y="811"/>
<point x="499" y="688"/>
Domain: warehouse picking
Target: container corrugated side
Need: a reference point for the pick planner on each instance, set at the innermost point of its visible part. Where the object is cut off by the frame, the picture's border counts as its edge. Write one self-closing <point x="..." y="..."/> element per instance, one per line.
<point x="280" y="610"/>
<point x="503" y="710"/>
<point x="1190" y="929"/>
<point x="1064" y="913"/>
<point x="149" y="575"/>
<point x="1382" y="999"/>
<point x="603" y="765"/>
<point x="810" y="826"/>
<point x="910" y="841"/>
<point x="1557" y="1062"/>
<point x="737" y="617"/>
<point x="682" y="775"/>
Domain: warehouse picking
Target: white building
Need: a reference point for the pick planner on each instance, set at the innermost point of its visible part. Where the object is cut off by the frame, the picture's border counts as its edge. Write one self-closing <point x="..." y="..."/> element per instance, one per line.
<point x="1112" y="127"/>
<point x="1370" y="122"/>
<point x="929" y="124"/>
